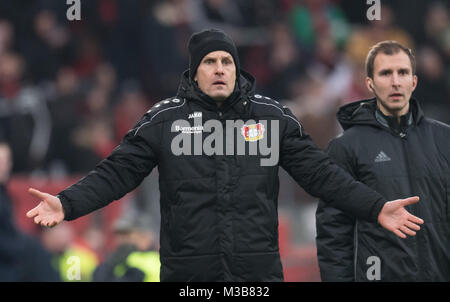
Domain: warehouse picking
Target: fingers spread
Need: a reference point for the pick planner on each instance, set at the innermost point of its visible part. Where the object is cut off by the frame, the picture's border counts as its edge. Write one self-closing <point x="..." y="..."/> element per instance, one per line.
<point x="37" y="219"/>
<point x="407" y="231"/>
<point x="415" y="219"/>
<point x="410" y="200"/>
<point x="399" y="234"/>
<point x="32" y="213"/>
<point x="412" y="226"/>
<point x="36" y="193"/>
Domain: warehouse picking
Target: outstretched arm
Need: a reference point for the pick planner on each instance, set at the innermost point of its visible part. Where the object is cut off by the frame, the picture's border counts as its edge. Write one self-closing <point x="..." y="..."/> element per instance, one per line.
<point x="112" y="178"/>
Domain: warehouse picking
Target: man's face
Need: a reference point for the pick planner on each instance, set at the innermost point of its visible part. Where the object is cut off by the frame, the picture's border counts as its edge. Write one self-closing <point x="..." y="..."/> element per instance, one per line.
<point x="392" y="83"/>
<point x="216" y="75"/>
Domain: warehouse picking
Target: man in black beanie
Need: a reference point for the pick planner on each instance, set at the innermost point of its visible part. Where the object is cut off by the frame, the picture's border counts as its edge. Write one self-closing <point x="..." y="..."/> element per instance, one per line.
<point x="213" y="64"/>
<point x="219" y="216"/>
<point x="202" y="43"/>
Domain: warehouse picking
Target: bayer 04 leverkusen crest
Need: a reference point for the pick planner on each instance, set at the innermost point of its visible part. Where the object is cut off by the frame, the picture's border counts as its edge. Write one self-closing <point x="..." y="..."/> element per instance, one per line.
<point x="253" y="132"/>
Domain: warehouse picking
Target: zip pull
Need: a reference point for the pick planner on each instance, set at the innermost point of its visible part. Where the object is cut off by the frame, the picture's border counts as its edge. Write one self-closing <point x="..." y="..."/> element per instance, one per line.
<point x="402" y="135"/>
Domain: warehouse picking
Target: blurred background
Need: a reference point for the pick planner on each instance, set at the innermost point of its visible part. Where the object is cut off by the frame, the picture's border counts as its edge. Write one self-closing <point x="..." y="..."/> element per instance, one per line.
<point x="70" y="90"/>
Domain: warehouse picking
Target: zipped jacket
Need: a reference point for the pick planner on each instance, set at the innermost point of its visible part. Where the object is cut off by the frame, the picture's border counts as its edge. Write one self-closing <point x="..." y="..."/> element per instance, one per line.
<point x="218" y="178"/>
<point x="397" y="160"/>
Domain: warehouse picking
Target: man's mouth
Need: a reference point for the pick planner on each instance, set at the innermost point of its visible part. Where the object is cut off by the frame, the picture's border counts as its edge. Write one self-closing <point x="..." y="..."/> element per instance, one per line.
<point x="219" y="83"/>
<point x="396" y="95"/>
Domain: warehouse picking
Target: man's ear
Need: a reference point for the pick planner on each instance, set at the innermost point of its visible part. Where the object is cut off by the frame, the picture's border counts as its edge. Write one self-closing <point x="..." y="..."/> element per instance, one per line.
<point x="415" y="81"/>
<point x="369" y="84"/>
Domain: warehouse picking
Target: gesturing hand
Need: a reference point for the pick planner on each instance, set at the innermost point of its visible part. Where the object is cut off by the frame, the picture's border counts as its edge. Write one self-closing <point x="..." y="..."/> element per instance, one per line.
<point x="395" y="218"/>
<point x="49" y="212"/>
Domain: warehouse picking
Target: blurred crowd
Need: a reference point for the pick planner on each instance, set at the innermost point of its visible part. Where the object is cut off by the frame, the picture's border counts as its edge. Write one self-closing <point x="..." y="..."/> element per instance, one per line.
<point x="70" y="90"/>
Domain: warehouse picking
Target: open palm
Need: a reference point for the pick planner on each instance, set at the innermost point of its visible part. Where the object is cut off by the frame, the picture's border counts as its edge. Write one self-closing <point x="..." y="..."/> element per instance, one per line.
<point x="395" y="218"/>
<point x="49" y="212"/>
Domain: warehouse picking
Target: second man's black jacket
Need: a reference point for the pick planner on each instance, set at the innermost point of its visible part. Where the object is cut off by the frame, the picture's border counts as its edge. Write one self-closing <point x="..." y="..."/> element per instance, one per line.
<point x="410" y="158"/>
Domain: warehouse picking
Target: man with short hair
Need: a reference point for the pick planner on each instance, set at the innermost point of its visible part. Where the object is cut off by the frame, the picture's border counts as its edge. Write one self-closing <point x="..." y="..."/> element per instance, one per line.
<point x="389" y="145"/>
<point x="219" y="179"/>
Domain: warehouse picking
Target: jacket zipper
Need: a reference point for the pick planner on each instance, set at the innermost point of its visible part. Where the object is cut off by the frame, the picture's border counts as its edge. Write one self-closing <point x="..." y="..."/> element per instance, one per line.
<point x="403" y="136"/>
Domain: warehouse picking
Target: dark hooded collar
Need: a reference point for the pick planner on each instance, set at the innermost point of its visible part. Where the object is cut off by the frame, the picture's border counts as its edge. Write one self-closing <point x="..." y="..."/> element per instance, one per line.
<point x="189" y="90"/>
<point x="366" y="112"/>
<point x="392" y="122"/>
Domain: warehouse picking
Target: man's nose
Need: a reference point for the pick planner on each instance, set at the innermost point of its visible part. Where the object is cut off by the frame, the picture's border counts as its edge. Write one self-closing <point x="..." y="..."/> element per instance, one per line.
<point x="395" y="79"/>
<point x="219" y="68"/>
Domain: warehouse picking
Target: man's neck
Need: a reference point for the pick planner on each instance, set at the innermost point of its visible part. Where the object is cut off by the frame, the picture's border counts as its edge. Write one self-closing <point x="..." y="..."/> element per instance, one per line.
<point x="394" y="114"/>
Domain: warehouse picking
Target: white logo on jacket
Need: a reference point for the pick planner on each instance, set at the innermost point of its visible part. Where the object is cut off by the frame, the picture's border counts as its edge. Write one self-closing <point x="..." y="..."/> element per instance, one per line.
<point x="195" y="114"/>
<point x="221" y="139"/>
<point x="381" y="157"/>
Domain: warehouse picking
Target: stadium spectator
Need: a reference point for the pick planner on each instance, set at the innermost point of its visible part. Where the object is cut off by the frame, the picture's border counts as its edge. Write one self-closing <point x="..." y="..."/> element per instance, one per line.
<point x="362" y="38"/>
<point x="6" y="36"/>
<point x="433" y="84"/>
<point x="22" y="257"/>
<point x="73" y="261"/>
<point x="135" y="258"/>
<point x="24" y="115"/>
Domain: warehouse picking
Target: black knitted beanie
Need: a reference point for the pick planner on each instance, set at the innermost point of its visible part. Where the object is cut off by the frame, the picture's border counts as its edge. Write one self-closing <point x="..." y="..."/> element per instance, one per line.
<point x="206" y="41"/>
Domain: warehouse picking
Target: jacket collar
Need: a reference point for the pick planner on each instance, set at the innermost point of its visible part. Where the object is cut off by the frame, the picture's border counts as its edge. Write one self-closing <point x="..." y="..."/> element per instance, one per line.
<point x="392" y="122"/>
<point x="189" y="90"/>
<point x="364" y="112"/>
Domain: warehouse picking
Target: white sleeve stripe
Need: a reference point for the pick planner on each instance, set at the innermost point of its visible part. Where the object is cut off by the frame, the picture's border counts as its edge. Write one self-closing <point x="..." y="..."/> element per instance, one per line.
<point x="184" y="101"/>
<point x="300" y="126"/>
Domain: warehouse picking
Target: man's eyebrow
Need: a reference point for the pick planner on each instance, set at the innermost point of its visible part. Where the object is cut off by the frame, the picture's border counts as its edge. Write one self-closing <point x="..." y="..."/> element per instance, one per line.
<point x="385" y="70"/>
<point x="220" y="58"/>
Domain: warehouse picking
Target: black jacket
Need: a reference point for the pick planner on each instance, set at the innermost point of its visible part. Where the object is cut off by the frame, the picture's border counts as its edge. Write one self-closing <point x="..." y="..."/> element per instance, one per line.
<point x="397" y="160"/>
<point x="219" y="219"/>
